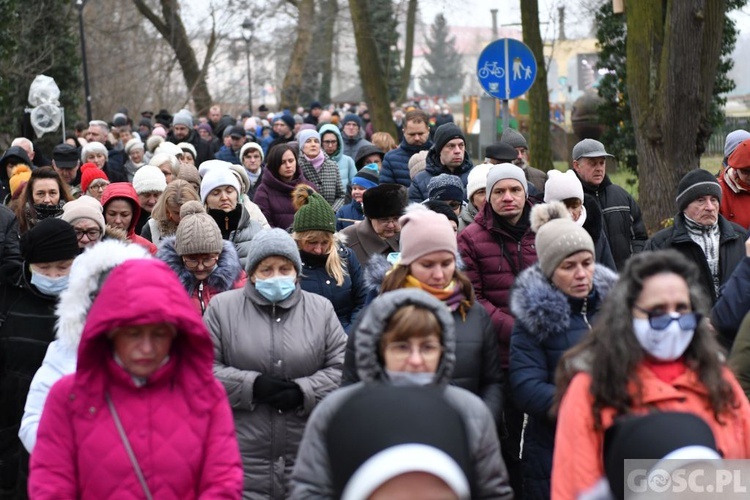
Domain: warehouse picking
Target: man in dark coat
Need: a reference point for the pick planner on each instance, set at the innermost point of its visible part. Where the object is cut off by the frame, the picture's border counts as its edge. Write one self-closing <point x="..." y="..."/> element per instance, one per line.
<point x="182" y="131"/>
<point x="448" y="155"/>
<point x="518" y="142"/>
<point x="395" y="167"/>
<point x="98" y="131"/>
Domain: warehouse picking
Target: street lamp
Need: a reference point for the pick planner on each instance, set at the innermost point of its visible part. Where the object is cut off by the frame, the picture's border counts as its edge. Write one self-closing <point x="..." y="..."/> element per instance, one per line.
<point x="80" y="4"/>
<point x="247" y="34"/>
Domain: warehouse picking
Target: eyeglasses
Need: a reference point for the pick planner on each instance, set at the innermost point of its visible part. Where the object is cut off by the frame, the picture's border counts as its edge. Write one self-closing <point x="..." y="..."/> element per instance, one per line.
<point x="91" y="234"/>
<point x="99" y="187"/>
<point x="400" y="351"/>
<point x="388" y="221"/>
<point x="206" y="262"/>
<point x="455" y="205"/>
<point x="659" y="321"/>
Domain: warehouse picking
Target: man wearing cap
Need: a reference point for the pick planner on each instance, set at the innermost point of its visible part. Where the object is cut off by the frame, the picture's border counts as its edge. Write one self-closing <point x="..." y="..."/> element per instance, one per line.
<point x="282" y="132"/>
<point x="496" y="247"/>
<point x="353" y="134"/>
<point x="447" y="156"/>
<point x="518" y="142"/>
<point x="622" y="215"/>
<point x="182" y="131"/>
<point x="699" y="232"/>
<point x="380" y="230"/>
<point x="231" y="153"/>
<point x="66" y="163"/>
<point x="395" y="167"/>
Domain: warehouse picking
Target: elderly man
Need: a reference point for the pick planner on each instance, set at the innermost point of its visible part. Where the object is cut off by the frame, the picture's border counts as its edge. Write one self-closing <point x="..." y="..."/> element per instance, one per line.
<point x="701" y="233"/>
<point x="416" y="138"/>
<point x="518" y="142"/>
<point x="448" y="155"/>
<point x="379" y="232"/>
<point x="66" y="163"/>
<point x="98" y="131"/>
<point x="622" y="216"/>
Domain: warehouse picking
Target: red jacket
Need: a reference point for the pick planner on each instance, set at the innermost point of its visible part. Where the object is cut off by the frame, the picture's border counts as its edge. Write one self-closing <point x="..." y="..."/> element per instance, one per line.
<point x="735" y="207"/>
<point x="577" y="464"/>
<point x="179" y="423"/>
<point x="492" y="269"/>
<point x="126" y="191"/>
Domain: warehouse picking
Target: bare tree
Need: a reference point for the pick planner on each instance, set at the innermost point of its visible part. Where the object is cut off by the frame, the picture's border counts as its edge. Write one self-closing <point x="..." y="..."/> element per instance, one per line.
<point x="411" y="21"/>
<point x="290" y="92"/>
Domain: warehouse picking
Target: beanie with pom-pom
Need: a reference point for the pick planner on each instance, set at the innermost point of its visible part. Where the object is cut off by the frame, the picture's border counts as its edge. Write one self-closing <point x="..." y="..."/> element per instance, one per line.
<point x="197" y="232"/>
<point x="557" y="236"/>
<point x="313" y="211"/>
<point x="19" y="176"/>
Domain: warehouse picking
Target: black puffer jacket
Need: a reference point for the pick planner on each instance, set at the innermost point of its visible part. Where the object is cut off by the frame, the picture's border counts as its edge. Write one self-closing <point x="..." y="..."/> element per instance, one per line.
<point x="10" y="247"/>
<point x="203" y="149"/>
<point x="594" y="225"/>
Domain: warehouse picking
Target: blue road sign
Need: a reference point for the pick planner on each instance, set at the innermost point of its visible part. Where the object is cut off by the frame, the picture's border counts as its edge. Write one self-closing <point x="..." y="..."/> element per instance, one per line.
<point x="506" y="68"/>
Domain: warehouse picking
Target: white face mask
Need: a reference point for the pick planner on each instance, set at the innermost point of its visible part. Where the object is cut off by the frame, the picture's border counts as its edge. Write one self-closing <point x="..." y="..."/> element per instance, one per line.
<point x="665" y="345"/>
<point x="401" y="379"/>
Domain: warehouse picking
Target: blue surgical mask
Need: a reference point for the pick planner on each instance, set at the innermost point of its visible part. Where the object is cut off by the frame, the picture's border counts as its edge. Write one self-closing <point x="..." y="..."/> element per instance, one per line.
<point x="47" y="285"/>
<point x="410" y="378"/>
<point x="277" y="288"/>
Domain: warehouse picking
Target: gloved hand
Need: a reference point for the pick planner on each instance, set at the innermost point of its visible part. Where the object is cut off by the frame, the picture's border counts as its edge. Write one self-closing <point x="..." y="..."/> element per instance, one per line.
<point x="288" y="399"/>
<point x="266" y="386"/>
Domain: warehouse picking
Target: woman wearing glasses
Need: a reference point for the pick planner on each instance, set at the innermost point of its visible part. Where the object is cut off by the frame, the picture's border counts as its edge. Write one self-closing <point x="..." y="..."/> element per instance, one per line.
<point x="651" y="350"/>
<point x="205" y="263"/>
<point x="86" y="216"/>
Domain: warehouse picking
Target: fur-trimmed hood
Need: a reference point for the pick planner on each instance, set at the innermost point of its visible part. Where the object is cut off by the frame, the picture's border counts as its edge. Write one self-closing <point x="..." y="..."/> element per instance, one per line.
<point x="87" y="275"/>
<point x="378" y="267"/>
<point x="228" y="268"/>
<point x="542" y="309"/>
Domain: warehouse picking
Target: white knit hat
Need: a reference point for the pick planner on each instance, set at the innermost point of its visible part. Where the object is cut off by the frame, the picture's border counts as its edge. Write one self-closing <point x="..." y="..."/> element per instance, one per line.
<point x="212" y="164"/>
<point x="477" y="179"/>
<point x="149" y="178"/>
<point x="561" y="186"/>
<point x="186" y="146"/>
<point x="85" y="207"/>
<point x="215" y="177"/>
<point x="503" y="171"/>
<point x="169" y="148"/>
<point x="134" y="143"/>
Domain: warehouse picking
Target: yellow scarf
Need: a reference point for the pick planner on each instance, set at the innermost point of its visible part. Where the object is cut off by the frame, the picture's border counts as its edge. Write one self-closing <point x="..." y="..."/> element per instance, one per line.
<point x="451" y="295"/>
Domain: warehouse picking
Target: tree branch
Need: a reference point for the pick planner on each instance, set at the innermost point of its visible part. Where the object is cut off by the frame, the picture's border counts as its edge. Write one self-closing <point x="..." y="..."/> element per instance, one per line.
<point x="293" y="3"/>
<point x="210" y="46"/>
<point x="151" y="16"/>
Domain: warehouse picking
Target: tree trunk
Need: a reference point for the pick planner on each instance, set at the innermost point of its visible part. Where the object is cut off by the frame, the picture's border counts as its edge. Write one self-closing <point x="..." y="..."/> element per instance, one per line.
<point x="291" y="88"/>
<point x="173" y="31"/>
<point x="374" y="84"/>
<point x="411" y="20"/>
<point x="673" y="50"/>
<point x="540" y="152"/>
<point x="329" y="10"/>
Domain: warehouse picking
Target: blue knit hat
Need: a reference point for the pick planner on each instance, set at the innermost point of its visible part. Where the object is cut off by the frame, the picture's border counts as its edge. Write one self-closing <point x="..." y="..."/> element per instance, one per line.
<point x="367" y="177"/>
<point x="351" y="117"/>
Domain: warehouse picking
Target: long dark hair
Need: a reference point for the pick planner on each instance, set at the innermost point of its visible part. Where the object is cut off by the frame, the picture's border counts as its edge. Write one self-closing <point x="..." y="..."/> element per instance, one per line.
<point x="25" y="208"/>
<point x="273" y="160"/>
<point x="611" y="353"/>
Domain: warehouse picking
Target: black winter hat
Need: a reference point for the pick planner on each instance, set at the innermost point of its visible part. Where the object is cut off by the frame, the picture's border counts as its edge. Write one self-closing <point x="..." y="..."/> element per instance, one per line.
<point x="444" y="133"/>
<point x="364" y="152"/>
<point x="164" y="118"/>
<point x="48" y="241"/>
<point x="287" y="119"/>
<point x="442" y="207"/>
<point x="385" y="200"/>
<point x="502" y="152"/>
<point x="695" y="184"/>
<point x="351" y="117"/>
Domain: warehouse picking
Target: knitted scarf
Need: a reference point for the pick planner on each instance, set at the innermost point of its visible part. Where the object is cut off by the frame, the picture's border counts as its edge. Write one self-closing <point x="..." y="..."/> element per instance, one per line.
<point x="734" y="182"/>
<point x="707" y="237"/>
<point x="451" y="295"/>
<point x="317" y="162"/>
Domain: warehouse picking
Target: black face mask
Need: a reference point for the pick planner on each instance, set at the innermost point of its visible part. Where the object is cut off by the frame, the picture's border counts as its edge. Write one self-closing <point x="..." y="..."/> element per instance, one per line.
<point x="48" y="211"/>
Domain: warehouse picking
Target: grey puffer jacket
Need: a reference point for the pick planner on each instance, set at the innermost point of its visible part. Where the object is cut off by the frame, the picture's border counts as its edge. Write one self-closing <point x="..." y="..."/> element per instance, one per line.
<point x="242" y="237"/>
<point x="298" y="339"/>
<point x="312" y="476"/>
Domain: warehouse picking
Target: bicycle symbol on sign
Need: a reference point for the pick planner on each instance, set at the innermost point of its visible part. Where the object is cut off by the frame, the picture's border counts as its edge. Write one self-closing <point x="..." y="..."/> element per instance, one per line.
<point x="491" y="69"/>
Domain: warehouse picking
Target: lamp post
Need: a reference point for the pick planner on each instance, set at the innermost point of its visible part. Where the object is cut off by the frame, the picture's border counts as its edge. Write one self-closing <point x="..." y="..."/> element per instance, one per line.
<point x="247" y="34"/>
<point x="80" y="4"/>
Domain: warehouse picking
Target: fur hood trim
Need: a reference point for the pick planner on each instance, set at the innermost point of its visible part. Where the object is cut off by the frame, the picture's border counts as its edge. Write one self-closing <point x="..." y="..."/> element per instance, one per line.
<point x="542" y="309"/>
<point x="545" y="212"/>
<point x="89" y="271"/>
<point x="378" y="267"/>
<point x="228" y="267"/>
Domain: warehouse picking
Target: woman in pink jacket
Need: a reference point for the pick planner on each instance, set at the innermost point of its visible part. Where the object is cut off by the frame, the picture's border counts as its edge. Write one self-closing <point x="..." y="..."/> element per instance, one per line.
<point x="143" y="415"/>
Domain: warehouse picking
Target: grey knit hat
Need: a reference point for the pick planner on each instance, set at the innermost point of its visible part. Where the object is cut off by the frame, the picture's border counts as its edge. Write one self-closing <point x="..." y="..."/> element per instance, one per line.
<point x="506" y="171"/>
<point x="272" y="242"/>
<point x="557" y="236"/>
<point x="733" y="140"/>
<point x="197" y="231"/>
<point x="183" y="117"/>
<point x="695" y="184"/>
<point x="514" y="138"/>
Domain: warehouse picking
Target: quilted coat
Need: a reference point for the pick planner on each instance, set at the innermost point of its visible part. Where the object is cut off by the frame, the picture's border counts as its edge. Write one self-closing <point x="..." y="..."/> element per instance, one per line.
<point x="733" y="303"/>
<point x="493" y="268"/>
<point x="298" y="339"/>
<point x="327" y="180"/>
<point x="312" y="477"/>
<point x="126" y="191"/>
<point x="179" y="423"/>
<point x="395" y="169"/>
<point x="274" y="197"/>
<point x="548" y="323"/>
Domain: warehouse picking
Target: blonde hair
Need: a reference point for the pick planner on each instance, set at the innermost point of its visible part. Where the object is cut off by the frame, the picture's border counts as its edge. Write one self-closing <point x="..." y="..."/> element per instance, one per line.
<point x="177" y="193"/>
<point x="334" y="265"/>
<point x="384" y="141"/>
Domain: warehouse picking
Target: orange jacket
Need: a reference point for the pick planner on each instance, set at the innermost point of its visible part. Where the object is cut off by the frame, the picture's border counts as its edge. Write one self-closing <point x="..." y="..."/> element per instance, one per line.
<point x="577" y="463"/>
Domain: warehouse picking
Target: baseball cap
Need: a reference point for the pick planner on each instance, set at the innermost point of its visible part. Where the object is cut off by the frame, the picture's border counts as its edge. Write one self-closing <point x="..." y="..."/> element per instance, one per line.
<point x="237" y="131"/>
<point x="65" y="156"/>
<point x="589" y="148"/>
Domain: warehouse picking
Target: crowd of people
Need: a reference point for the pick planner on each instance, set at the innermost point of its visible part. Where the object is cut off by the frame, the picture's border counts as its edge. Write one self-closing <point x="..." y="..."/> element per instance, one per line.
<point x="283" y="305"/>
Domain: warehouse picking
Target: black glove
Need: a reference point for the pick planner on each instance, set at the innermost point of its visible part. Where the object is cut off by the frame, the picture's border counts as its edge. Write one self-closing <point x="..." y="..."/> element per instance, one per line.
<point x="288" y="399"/>
<point x="266" y="386"/>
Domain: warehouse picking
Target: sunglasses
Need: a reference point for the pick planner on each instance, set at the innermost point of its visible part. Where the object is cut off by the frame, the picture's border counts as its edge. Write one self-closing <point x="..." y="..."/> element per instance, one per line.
<point x="660" y="321"/>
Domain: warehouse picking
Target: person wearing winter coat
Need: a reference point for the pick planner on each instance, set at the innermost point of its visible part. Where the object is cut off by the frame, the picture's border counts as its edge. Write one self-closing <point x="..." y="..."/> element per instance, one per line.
<point x="583" y="208"/>
<point x="476" y="195"/>
<point x="735" y="186"/>
<point x="329" y="268"/>
<point x="333" y="146"/>
<point x="220" y="194"/>
<point x="183" y="131"/>
<point x="109" y="161"/>
<point x="42" y="197"/>
<point x="27" y="327"/>
<point x="86" y="278"/>
<point x="205" y="264"/>
<point x="143" y="414"/>
<point x="395" y="167"/>
<point x="447" y="155"/>
<point x="11" y="263"/>
<point x="320" y="170"/>
<point x="353" y="134"/>
<point x="241" y="174"/>
<point x="122" y="211"/>
<point x="405" y="338"/>
<point x="276" y="372"/>
<point x="352" y="212"/>
<point x="622" y="367"/>
<point x="428" y="261"/>
<point x="86" y="216"/>
<point x="733" y="303"/>
<point x="252" y="158"/>
<point x="166" y="213"/>
<point x="701" y="233"/>
<point x="274" y="195"/>
<point x="554" y="302"/>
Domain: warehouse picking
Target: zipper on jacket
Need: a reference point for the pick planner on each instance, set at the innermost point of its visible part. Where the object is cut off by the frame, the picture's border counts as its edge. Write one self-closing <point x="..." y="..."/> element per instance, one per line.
<point x="584" y="312"/>
<point x="226" y="222"/>
<point x="520" y="257"/>
<point x="200" y="298"/>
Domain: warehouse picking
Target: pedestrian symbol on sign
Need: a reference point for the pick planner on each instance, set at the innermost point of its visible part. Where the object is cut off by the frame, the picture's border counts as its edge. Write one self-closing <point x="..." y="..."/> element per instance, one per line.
<point x="506" y="68"/>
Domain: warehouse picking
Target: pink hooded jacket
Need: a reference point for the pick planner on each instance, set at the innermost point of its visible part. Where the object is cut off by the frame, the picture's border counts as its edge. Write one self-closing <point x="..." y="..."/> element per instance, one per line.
<point x="179" y="423"/>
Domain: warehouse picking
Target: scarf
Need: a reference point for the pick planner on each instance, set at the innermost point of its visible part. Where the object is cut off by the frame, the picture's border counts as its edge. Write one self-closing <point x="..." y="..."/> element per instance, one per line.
<point x="313" y="260"/>
<point x="451" y="295"/>
<point x="254" y="177"/>
<point x="317" y="162"/>
<point x="516" y="231"/>
<point x="227" y="221"/>
<point x="734" y="182"/>
<point x="707" y="237"/>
